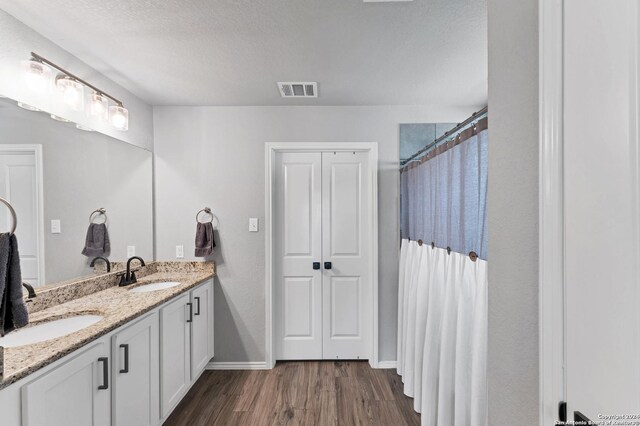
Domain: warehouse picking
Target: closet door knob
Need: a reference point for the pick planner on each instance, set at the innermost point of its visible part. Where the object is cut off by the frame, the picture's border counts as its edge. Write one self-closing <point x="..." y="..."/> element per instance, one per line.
<point x="327" y="265"/>
<point x="316" y="265"/>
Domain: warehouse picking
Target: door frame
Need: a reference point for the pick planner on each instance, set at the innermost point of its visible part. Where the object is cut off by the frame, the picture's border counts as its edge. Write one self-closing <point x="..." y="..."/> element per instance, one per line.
<point x="36" y="150"/>
<point x="273" y="148"/>
<point x="551" y="272"/>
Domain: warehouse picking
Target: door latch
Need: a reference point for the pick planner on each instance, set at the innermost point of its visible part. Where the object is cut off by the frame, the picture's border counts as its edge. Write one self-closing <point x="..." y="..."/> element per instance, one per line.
<point x="327" y="265"/>
<point x="316" y="265"/>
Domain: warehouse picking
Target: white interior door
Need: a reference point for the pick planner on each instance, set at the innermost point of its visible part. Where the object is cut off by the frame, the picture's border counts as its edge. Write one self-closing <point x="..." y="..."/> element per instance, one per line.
<point x="18" y="185"/>
<point x="298" y="244"/>
<point x="346" y="243"/>
<point x="601" y="208"/>
<point x="322" y="241"/>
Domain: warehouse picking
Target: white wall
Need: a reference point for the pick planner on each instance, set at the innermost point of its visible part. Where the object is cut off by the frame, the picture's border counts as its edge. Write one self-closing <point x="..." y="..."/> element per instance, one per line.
<point x="17" y="41"/>
<point x="214" y="156"/>
<point x="513" y="212"/>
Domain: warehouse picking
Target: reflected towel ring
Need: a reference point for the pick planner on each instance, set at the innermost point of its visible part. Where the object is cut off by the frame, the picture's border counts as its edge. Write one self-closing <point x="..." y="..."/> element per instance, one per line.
<point x="13" y="215"/>
<point x="99" y="212"/>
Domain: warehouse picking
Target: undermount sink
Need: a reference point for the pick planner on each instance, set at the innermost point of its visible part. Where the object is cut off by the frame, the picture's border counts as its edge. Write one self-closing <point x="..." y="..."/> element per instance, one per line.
<point x="154" y="287"/>
<point x="48" y="330"/>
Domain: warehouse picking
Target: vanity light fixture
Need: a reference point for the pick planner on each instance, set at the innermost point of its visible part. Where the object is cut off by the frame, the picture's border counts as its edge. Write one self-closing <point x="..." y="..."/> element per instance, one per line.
<point x="72" y="92"/>
<point x="37" y="75"/>
<point x="119" y="117"/>
<point x="72" y="88"/>
<point x="98" y="106"/>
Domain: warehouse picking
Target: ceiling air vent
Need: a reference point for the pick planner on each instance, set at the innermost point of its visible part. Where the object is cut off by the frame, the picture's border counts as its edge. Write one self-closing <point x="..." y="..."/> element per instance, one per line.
<point x="298" y="89"/>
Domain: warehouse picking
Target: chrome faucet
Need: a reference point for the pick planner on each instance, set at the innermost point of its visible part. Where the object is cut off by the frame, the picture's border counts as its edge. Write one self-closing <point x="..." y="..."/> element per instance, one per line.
<point x="129" y="277"/>
<point x="32" y="292"/>
<point x="93" y="262"/>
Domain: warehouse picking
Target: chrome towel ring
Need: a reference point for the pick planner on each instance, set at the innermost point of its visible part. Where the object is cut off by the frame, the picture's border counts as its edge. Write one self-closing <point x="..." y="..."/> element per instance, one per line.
<point x="13" y="215"/>
<point x="206" y="210"/>
<point x="98" y="212"/>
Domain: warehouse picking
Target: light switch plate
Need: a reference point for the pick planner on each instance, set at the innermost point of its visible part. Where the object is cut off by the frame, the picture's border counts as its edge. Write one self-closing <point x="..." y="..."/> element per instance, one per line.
<point x="253" y="224"/>
<point x="56" y="226"/>
<point x="131" y="251"/>
<point x="179" y="252"/>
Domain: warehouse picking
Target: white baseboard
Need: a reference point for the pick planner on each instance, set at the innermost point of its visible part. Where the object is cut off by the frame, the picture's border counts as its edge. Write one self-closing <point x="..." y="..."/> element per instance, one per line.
<point x="387" y="364"/>
<point x="259" y="365"/>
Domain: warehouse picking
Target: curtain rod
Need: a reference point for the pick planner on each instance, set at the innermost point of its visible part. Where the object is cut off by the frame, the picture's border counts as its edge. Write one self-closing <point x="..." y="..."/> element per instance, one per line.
<point x="474" y="117"/>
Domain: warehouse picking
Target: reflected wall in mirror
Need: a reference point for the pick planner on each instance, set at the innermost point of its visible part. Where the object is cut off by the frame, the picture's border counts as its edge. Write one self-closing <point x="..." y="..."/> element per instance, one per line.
<point x="55" y="176"/>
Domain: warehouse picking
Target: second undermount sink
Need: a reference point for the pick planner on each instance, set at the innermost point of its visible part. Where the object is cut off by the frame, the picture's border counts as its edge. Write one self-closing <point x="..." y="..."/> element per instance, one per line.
<point x="154" y="287"/>
<point x="48" y="330"/>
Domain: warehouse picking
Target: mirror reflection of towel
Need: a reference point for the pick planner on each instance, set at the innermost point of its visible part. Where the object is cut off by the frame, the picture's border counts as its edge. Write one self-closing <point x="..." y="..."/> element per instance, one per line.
<point x="204" y="240"/>
<point x="13" y="311"/>
<point x="97" y="242"/>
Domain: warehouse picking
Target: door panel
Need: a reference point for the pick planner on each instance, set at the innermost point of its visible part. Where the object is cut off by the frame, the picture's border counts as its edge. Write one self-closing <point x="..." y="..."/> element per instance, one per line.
<point x="346" y="219"/>
<point x="601" y="207"/>
<point x="77" y="393"/>
<point x="175" y="373"/>
<point x="18" y="186"/>
<point x="298" y="243"/>
<point x="201" y="329"/>
<point x="136" y="373"/>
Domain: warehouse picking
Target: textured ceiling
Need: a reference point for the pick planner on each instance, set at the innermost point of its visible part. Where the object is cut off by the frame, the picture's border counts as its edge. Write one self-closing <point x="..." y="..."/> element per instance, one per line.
<point x="232" y="52"/>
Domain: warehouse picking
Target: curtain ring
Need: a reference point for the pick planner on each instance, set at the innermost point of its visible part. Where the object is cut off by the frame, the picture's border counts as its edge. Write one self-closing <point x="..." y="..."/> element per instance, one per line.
<point x="420" y="243"/>
<point x="433" y="245"/>
<point x="473" y="256"/>
<point x="448" y="250"/>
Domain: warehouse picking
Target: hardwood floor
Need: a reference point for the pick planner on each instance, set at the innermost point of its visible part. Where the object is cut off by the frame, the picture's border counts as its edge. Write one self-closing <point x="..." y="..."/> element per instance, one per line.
<point x="298" y="393"/>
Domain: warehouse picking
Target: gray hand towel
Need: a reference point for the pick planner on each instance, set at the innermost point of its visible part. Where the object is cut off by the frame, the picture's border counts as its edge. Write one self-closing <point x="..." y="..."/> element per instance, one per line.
<point x="13" y="311"/>
<point x="204" y="240"/>
<point x="97" y="242"/>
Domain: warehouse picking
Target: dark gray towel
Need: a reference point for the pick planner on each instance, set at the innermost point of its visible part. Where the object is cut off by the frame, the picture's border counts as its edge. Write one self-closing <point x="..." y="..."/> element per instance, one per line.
<point x="97" y="242"/>
<point x="204" y="239"/>
<point x="13" y="311"/>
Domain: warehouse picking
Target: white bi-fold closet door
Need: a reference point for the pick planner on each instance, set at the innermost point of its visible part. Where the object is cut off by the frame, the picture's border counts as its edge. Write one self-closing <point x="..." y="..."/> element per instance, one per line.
<point x="322" y="261"/>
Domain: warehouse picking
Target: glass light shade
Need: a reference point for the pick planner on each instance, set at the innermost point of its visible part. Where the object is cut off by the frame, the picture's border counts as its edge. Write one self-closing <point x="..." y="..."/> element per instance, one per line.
<point x="58" y="118"/>
<point x="72" y="92"/>
<point x="27" y="107"/>
<point x="85" y="128"/>
<point x="37" y="76"/>
<point x="119" y="117"/>
<point x="98" y="106"/>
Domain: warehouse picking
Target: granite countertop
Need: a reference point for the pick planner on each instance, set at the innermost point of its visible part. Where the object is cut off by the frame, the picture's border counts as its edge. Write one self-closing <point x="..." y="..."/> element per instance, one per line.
<point x="116" y="304"/>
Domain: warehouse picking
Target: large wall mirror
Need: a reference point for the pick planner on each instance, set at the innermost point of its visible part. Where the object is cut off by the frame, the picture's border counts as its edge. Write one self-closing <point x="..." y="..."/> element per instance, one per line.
<point x="56" y="177"/>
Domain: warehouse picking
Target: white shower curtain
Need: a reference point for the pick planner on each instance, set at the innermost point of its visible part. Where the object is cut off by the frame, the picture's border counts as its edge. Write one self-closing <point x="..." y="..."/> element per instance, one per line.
<point x="442" y="294"/>
<point x="444" y="353"/>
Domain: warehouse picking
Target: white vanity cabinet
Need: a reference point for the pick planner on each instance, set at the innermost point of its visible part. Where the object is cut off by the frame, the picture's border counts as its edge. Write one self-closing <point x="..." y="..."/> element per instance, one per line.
<point x="186" y="344"/>
<point x="133" y="376"/>
<point x="76" y="393"/>
<point x="136" y="374"/>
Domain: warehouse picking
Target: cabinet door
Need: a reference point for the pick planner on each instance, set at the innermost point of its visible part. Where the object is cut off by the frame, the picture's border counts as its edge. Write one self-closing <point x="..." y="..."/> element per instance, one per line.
<point x="77" y="393"/>
<point x="175" y="374"/>
<point x="201" y="328"/>
<point x="136" y="373"/>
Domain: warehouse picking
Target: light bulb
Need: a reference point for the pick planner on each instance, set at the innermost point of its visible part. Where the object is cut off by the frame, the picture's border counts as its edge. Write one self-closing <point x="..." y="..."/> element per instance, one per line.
<point x="37" y="75"/>
<point x="119" y="117"/>
<point x="72" y="92"/>
<point x="98" y="106"/>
